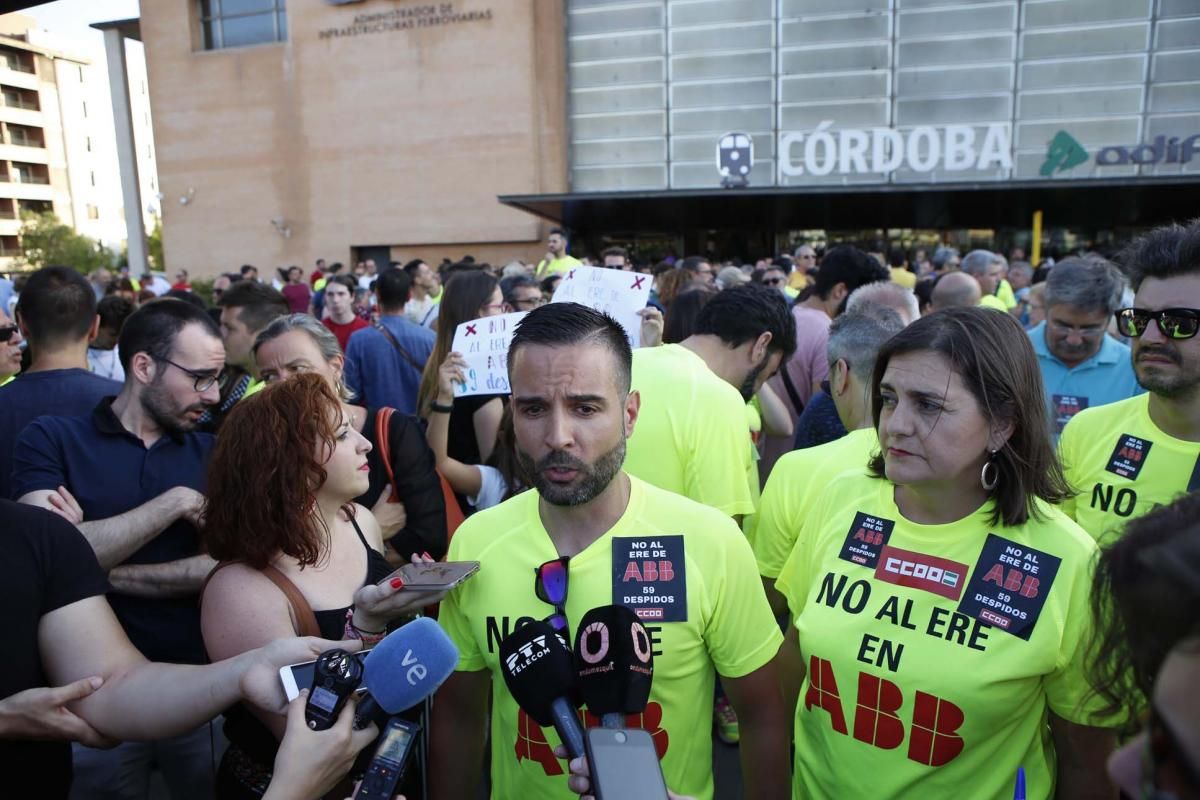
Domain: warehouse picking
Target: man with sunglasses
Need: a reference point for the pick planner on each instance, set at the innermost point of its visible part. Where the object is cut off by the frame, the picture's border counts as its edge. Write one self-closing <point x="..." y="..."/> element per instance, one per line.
<point x="129" y="475"/>
<point x="1128" y="457"/>
<point x="56" y="316"/>
<point x="10" y="348"/>
<point x="591" y="535"/>
<point x="1082" y="366"/>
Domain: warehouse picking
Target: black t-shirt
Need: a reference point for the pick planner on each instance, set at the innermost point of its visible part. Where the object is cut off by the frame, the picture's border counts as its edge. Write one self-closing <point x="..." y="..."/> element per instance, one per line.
<point x="48" y="565"/>
<point x="461" y="443"/>
<point x="417" y="485"/>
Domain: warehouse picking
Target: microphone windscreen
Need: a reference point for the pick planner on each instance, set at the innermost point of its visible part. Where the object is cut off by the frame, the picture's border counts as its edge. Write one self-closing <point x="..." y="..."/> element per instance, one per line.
<point x="614" y="666"/>
<point x="537" y="669"/>
<point x="409" y="665"/>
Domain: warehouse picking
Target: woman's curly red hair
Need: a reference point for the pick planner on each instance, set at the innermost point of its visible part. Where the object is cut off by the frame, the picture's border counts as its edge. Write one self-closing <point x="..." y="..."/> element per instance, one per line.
<point x="264" y="474"/>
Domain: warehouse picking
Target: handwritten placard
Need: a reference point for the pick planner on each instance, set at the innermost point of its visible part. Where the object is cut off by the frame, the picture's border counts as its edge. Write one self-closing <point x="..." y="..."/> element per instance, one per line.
<point x="484" y="344"/>
<point x="619" y="294"/>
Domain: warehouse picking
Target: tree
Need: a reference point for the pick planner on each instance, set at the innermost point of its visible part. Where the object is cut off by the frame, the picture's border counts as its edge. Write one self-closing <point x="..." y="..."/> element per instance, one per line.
<point x="154" y="250"/>
<point x="46" y="240"/>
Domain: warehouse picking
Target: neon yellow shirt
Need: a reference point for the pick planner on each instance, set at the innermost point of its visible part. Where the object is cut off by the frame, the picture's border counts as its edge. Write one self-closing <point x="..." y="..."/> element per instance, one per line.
<point x="563" y="263"/>
<point x="8" y="380"/>
<point x="690" y="437"/>
<point x="1004" y="292"/>
<point x="933" y="652"/>
<point x="254" y="387"/>
<point x="1123" y="465"/>
<point x="722" y="624"/>
<point x="754" y="420"/>
<point x="991" y="301"/>
<point x="903" y="277"/>
<point x="796" y="483"/>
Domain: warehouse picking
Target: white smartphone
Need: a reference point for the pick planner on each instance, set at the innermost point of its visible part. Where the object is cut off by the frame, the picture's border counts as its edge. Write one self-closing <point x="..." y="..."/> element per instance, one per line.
<point x="436" y="576"/>
<point x="295" y="677"/>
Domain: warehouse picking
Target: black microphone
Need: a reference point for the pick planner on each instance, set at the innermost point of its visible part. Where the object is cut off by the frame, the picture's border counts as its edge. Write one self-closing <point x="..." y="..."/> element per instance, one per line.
<point x="537" y="669"/>
<point x="614" y="665"/>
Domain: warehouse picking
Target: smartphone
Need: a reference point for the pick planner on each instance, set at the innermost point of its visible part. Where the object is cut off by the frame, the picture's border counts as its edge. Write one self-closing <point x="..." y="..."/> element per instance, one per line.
<point x="295" y="677"/>
<point x="437" y="576"/>
<point x="624" y="765"/>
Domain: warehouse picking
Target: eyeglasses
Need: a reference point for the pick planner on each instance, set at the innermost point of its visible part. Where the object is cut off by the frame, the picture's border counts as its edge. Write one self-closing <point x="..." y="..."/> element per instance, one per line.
<point x="1087" y="332"/>
<point x="1174" y="323"/>
<point x="550" y="586"/>
<point x="7" y="332"/>
<point x="529" y="302"/>
<point x="201" y="381"/>
<point x="772" y="281"/>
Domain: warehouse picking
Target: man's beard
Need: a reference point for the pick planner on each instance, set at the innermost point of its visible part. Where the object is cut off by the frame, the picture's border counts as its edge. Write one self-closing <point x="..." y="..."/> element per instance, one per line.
<point x="589" y="481"/>
<point x="1184" y="383"/>
<point x="157" y="403"/>
<point x="747" y="388"/>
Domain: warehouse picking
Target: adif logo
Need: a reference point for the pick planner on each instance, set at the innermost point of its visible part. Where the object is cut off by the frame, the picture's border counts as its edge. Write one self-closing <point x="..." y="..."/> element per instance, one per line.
<point x="1063" y="154"/>
<point x="526" y="654"/>
<point x="921" y="571"/>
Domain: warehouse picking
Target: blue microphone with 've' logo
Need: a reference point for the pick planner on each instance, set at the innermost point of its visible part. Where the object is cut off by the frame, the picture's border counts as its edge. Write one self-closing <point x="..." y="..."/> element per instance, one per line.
<point x="403" y="669"/>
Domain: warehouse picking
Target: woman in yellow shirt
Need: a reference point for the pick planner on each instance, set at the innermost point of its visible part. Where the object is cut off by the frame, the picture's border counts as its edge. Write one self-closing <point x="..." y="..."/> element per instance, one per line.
<point x="939" y="602"/>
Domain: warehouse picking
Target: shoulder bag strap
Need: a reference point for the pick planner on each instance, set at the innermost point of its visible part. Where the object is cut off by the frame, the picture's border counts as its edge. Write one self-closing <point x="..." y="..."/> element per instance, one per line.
<point x="412" y="362"/>
<point x="306" y="620"/>
<point x="793" y="395"/>
<point x="383" y="443"/>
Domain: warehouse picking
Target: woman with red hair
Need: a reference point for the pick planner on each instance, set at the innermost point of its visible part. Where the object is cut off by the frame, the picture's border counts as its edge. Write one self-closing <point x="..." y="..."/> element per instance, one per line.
<point x="296" y="554"/>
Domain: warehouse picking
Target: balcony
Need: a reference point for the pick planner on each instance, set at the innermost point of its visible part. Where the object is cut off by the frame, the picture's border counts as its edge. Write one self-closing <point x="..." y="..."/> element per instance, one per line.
<point x="30" y="155"/>
<point x="17" y="78"/>
<point x="25" y="191"/>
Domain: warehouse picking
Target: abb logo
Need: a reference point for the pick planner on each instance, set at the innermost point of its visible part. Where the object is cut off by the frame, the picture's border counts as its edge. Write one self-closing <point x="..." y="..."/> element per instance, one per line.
<point x="868" y="537"/>
<point x="920" y="571"/>
<point x="1013" y="581"/>
<point x="932" y="733"/>
<point x="649" y="572"/>
<point x="532" y="745"/>
<point x="1130" y="453"/>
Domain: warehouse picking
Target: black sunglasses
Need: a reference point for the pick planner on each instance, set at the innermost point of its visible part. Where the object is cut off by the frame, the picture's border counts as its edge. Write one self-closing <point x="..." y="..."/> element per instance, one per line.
<point x="550" y="586"/>
<point x="772" y="281"/>
<point x="7" y="332"/>
<point x="1175" y="323"/>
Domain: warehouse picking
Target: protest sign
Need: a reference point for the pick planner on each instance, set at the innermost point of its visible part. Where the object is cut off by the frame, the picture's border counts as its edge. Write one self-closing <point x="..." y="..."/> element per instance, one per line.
<point x="619" y="294"/>
<point x="484" y="344"/>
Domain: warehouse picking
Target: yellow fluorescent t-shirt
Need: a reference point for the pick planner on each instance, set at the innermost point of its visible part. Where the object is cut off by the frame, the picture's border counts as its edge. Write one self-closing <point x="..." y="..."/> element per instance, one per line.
<point x="690" y="437"/>
<point x="796" y="483"/>
<point x="706" y="582"/>
<point x="934" y="652"/>
<point x="1123" y="465"/>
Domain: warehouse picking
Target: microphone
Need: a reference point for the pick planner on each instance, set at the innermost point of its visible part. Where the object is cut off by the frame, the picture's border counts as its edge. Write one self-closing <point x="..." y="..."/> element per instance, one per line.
<point x="403" y="669"/>
<point x="537" y="669"/>
<point x="614" y="665"/>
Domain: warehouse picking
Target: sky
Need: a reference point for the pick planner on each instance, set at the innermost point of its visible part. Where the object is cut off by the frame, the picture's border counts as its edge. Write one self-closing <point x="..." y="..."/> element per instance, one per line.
<point x="71" y="18"/>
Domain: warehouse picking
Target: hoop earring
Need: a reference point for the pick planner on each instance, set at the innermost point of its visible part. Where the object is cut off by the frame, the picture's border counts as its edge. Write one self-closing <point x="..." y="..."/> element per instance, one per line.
<point x="989" y="481"/>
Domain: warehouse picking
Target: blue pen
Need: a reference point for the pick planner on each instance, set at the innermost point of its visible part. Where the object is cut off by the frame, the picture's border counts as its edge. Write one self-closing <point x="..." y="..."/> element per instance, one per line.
<point x="1019" y="792"/>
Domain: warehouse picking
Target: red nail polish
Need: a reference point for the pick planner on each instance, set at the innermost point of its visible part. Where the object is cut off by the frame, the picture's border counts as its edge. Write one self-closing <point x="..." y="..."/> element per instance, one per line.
<point x="426" y="555"/>
<point x="397" y="583"/>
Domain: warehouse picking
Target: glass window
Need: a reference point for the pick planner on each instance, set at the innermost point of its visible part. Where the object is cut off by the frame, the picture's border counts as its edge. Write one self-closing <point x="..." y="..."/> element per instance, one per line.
<point x="239" y="23"/>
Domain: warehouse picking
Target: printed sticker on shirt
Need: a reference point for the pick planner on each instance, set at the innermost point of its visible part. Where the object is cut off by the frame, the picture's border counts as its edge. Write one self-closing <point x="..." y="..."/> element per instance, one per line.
<point x="1009" y="585"/>
<point x="920" y="571"/>
<point x="650" y="577"/>
<point x="1065" y="407"/>
<point x="866" y="539"/>
<point x="1128" y="456"/>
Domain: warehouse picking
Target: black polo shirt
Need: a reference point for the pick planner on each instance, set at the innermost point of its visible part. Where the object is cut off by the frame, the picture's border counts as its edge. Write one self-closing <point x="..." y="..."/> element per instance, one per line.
<point x="110" y="471"/>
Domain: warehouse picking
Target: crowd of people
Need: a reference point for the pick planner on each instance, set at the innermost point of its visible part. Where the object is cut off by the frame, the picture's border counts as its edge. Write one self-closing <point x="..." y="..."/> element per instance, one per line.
<point x="897" y="523"/>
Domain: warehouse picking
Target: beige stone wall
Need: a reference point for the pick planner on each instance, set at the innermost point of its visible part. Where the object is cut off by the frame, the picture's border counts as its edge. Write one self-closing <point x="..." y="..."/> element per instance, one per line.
<point x="399" y="138"/>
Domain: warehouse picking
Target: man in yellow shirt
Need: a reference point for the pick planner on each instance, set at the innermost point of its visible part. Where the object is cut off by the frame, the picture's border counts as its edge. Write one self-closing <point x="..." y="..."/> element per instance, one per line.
<point x="802" y="476"/>
<point x="692" y="437"/>
<point x="684" y="568"/>
<point x="1128" y="457"/>
<point x="987" y="270"/>
<point x="556" y="259"/>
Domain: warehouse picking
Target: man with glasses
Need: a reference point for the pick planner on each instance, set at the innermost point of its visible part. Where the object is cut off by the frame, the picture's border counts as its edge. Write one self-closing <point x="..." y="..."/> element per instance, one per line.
<point x="1082" y="366"/>
<point x="522" y="293"/>
<point x="130" y="475"/>
<point x="56" y="316"/>
<point x="1128" y="457"/>
<point x="10" y="348"/>
<point x="590" y="535"/>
